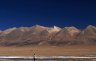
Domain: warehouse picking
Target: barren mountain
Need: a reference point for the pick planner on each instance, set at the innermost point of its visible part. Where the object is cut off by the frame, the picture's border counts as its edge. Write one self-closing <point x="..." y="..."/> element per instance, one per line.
<point x="48" y="34"/>
<point x="88" y="35"/>
<point x="40" y="35"/>
<point x="67" y="35"/>
<point x="12" y="36"/>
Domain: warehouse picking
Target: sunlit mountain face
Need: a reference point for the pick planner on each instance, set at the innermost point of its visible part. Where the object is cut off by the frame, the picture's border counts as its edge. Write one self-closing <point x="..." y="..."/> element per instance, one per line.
<point x="40" y="35"/>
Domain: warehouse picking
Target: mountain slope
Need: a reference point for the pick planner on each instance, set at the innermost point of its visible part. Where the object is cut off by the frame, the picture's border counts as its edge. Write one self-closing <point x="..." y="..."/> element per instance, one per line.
<point x="67" y="35"/>
<point x="88" y="35"/>
<point x="40" y="35"/>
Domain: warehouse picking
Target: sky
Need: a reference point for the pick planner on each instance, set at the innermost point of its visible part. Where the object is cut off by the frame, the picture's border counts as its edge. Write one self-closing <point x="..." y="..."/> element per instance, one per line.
<point x="17" y="13"/>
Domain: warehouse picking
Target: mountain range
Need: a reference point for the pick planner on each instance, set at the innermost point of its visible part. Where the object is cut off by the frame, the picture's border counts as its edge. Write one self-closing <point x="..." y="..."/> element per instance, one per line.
<point x="51" y="36"/>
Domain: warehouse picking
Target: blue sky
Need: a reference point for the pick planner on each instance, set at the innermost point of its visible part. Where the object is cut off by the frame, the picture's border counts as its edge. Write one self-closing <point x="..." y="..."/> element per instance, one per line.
<point x="16" y="13"/>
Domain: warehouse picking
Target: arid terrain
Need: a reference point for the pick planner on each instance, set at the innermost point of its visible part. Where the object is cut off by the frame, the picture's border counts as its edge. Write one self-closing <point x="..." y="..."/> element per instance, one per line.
<point x="48" y="36"/>
<point x="48" y="41"/>
<point x="48" y="50"/>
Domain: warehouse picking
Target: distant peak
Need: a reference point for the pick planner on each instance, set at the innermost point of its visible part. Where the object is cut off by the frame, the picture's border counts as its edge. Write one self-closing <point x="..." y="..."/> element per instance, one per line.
<point x="90" y="26"/>
<point x="38" y="26"/>
<point x="55" y="27"/>
<point x="9" y="30"/>
<point x="70" y="28"/>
